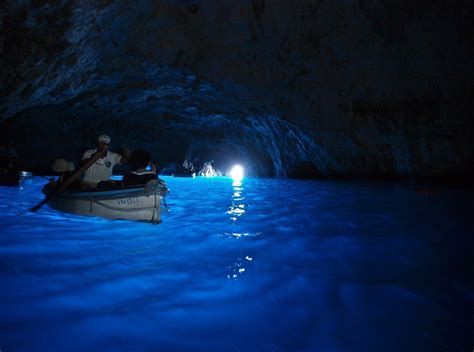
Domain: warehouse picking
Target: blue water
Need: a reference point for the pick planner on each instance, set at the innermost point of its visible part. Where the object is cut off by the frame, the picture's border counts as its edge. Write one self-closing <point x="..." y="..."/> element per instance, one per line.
<point x="265" y="265"/>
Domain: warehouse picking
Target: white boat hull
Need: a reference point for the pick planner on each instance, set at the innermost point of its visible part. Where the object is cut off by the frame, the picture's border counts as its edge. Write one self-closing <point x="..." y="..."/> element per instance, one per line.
<point x="128" y="204"/>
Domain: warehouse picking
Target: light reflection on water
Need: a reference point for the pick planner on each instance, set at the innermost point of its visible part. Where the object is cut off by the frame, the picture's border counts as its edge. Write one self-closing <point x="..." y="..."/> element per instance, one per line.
<point x="237" y="207"/>
<point x="235" y="266"/>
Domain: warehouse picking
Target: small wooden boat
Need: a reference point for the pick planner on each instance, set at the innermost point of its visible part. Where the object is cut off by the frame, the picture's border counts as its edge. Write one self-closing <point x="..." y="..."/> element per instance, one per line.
<point x="127" y="203"/>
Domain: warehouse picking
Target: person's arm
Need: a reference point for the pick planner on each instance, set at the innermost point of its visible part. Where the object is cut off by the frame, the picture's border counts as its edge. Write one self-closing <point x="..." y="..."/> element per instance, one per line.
<point x="125" y="155"/>
<point x="87" y="156"/>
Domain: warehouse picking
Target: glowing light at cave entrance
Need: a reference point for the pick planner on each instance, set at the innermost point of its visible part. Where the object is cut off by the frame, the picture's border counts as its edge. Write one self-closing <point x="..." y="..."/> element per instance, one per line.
<point x="237" y="173"/>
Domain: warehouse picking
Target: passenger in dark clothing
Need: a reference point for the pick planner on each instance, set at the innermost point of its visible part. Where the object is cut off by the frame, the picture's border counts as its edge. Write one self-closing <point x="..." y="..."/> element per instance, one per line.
<point x="8" y="158"/>
<point x="140" y="160"/>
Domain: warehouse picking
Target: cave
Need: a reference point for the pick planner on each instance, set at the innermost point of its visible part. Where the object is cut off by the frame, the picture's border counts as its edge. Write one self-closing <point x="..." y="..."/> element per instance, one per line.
<point x="361" y="89"/>
<point x="359" y="105"/>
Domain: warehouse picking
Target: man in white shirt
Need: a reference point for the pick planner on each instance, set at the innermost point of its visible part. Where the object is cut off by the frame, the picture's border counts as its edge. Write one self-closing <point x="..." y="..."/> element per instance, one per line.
<point x="102" y="169"/>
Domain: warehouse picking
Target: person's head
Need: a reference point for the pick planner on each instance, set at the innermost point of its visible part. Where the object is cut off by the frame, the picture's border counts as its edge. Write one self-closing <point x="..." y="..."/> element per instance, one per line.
<point x="61" y="165"/>
<point x="139" y="159"/>
<point x="103" y="142"/>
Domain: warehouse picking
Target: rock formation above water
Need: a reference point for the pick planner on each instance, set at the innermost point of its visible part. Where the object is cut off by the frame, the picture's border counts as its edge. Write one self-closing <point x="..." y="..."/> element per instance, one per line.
<point x="287" y="88"/>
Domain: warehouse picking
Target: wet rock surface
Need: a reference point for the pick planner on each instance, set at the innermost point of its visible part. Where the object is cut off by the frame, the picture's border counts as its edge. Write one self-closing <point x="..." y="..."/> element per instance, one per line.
<point x="299" y="89"/>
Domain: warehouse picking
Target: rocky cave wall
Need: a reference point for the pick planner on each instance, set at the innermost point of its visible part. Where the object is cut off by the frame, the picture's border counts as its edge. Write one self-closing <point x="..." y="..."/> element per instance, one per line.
<point x="289" y="88"/>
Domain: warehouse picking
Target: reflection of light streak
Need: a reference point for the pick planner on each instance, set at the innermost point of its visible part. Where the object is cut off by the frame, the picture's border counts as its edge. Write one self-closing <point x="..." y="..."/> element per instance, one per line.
<point x="235" y="211"/>
<point x="235" y="270"/>
<point x="238" y="267"/>
<point x="243" y="234"/>
<point x="237" y="208"/>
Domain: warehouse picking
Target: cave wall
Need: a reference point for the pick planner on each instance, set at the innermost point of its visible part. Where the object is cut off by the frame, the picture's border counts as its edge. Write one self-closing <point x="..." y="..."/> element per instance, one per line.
<point x="379" y="87"/>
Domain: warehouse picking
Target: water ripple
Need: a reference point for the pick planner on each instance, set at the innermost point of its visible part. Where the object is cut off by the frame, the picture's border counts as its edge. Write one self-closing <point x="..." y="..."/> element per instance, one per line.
<point x="266" y="265"/>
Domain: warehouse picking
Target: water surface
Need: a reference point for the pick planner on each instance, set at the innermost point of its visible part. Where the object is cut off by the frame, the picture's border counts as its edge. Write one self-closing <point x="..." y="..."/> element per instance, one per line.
<point x="264" y="265"/>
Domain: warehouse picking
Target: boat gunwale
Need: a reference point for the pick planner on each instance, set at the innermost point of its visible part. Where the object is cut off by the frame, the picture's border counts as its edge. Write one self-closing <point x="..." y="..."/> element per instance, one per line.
<point x="122" y="192"/>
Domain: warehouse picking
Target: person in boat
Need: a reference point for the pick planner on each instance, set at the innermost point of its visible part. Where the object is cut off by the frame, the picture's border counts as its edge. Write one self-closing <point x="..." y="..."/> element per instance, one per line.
<point x="99" y="174"/>
<point x="140" y="161"/>
<point x="6" y="165"/>
<point x="63" y="169"/>
<point x="8" y="168"/>
<point x="8" y="158"/>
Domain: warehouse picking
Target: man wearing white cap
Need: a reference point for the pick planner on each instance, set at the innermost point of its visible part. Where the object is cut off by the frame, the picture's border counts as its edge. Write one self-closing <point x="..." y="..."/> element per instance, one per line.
<point x="102" y="169"/>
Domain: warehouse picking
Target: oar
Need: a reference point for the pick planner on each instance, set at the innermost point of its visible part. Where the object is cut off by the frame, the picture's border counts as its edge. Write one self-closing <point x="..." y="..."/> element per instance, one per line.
<point x="76" y="174"/>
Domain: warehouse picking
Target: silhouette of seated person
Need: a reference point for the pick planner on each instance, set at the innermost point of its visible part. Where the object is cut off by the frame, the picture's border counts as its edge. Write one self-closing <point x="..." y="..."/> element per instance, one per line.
<point x="7" y="160"/>
<point x="140" y="160"/>
<point x="9" y="173"/>
<point x="7" y="166"/>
